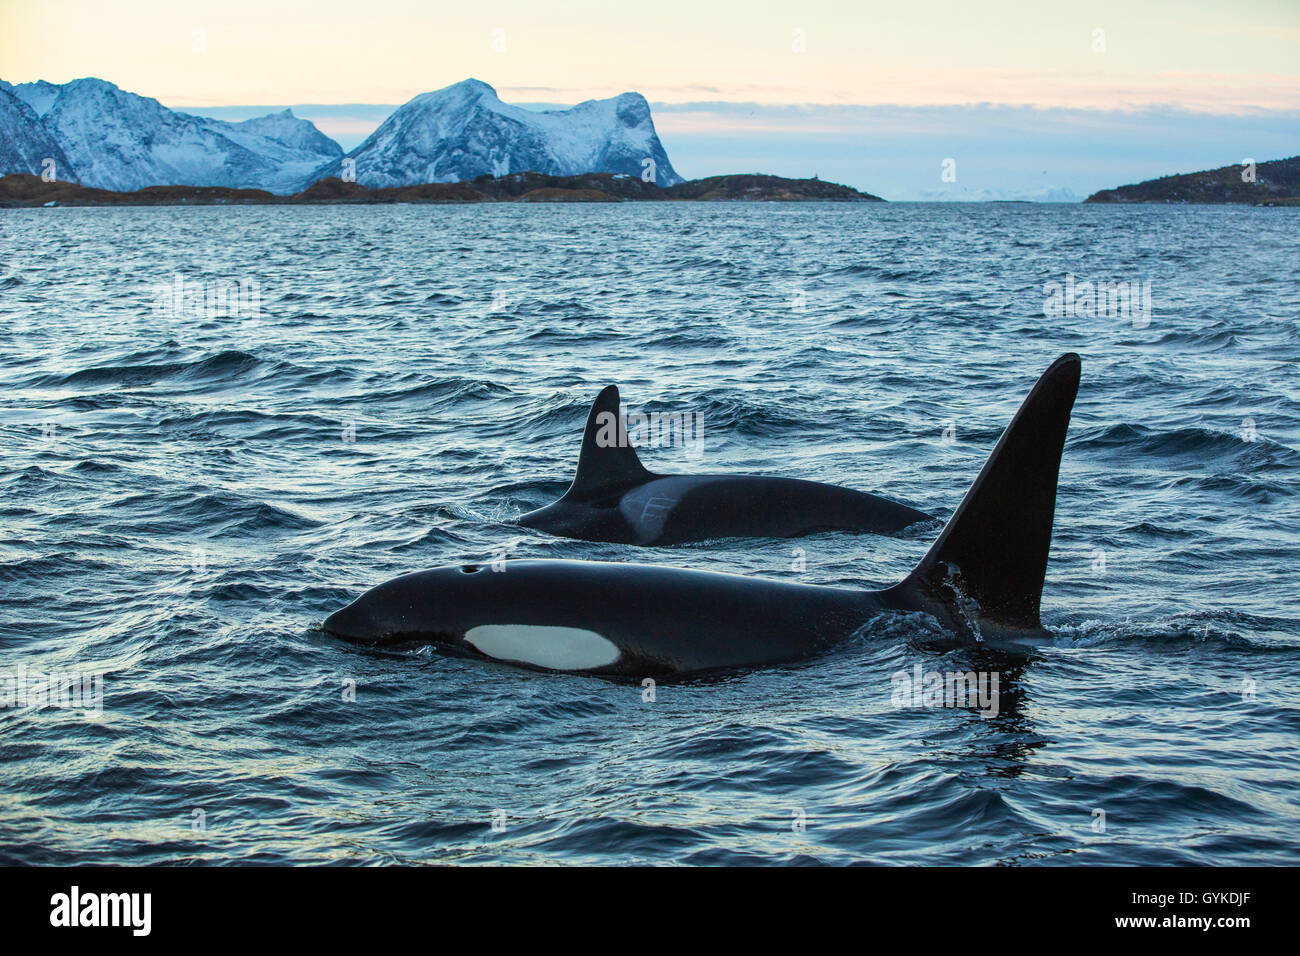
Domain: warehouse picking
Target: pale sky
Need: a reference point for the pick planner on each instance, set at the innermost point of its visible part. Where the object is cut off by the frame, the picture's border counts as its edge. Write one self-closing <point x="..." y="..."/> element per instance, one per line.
<point x="1221" y="57"/>
<point x="1033" y="98"/>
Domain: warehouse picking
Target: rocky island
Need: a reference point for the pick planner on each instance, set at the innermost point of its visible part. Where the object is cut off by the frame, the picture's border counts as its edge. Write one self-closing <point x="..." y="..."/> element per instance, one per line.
<point x="24" y="189"/>
<point x="1273" y="183"/>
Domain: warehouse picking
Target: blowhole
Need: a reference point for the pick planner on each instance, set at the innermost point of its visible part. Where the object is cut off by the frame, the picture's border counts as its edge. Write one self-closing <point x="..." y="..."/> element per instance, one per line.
<point x="469" y="568"/>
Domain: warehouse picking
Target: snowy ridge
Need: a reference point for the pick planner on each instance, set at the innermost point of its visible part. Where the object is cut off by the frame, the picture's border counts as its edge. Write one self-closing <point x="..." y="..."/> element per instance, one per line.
<point x="113" y="139"/>
<point x="464" y="131"/>
<point x="104" y="137"/>
<point x="39" y="96"/>
<point x="25" y="144"/>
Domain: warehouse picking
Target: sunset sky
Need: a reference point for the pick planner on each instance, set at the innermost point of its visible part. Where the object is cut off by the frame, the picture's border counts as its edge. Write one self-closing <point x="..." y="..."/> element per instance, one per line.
<point x="1212" y="55"/>
<point x="723" y="71"/>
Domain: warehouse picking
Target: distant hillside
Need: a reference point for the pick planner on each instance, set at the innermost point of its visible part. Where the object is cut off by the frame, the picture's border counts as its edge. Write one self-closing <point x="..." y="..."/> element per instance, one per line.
<point x="28" y="190"/>
<point x="1276" y="182"/>
<point x="758" y="186"/>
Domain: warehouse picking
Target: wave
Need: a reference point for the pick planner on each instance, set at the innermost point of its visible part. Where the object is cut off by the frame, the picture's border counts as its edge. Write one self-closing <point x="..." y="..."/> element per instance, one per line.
<point x="210" y="513"/>
<point x="439" y="391"/>
<point x="1237" y="630"/>
<point x="1204" y="339"/>
<point x="887" y="273"/>
<point x="222" y="366"/>
<point x="1192" y="442"/>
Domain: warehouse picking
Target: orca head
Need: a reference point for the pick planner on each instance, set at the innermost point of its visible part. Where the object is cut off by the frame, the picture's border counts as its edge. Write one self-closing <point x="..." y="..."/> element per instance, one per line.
<point x="437" y="605"/>
<point x="472" y="610"/>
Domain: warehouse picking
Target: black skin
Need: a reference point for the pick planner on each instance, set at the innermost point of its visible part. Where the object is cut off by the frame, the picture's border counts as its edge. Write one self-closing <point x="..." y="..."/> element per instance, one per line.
<point x="678" y="509"/>
<point x="663" y="620"/>
<point x="613" y="498"/>
<point x="981" y="579"/>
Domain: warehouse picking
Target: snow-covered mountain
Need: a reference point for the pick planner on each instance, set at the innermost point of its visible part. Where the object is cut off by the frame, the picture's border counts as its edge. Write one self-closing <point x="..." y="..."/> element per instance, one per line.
<point x="25" y="143"/>
<point x="119" y="140"/>
<point x="464" y="131"/>
<point x="102" y="136"/>
<point x="287" y="130"/>
<point x="38" y="95"/>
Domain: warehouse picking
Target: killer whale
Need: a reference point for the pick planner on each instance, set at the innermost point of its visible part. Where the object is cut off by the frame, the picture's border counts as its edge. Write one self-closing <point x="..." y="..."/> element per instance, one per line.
<point x="614" y="498"/>
<point x="982" y="579"/>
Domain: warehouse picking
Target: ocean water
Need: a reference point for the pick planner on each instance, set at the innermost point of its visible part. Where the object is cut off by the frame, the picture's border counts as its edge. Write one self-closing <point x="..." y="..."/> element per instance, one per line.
<point x="186" y="493"/>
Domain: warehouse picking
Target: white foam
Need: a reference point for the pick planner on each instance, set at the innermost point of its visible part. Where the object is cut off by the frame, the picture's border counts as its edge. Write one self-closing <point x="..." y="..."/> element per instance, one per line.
<point x="556" y="648"/>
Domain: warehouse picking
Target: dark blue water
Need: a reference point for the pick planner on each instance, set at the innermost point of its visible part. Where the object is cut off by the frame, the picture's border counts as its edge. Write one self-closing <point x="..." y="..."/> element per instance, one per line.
<point x="180" y="508"/>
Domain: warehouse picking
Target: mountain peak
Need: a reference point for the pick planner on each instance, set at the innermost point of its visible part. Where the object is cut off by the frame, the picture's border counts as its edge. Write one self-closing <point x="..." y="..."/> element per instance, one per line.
<point x="38" y="94"/>
<point x="464" y="131"/>
<point x="26" y="146"/>
<point x="94" y="83"/>
<point x="632" y="109"/>
<point x="471" y="83"/>
<point x="111" y="138"/>
<point x="463" y="93"/>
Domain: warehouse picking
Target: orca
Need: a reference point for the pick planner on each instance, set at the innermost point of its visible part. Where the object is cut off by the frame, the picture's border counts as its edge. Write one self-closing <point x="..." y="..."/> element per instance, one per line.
<point x="614" y="498"/>
<point x="982" y="579"/>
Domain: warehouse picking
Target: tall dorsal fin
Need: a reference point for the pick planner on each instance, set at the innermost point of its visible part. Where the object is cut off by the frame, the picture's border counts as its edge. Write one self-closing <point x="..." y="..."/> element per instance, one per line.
<point x="607" y="462"/>
<point x="994" y="549"/>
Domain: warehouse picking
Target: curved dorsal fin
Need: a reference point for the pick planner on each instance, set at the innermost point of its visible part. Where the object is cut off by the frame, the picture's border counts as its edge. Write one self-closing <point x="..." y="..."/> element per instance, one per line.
<point x="607" y="462"/>
<point x="996" y="542"/>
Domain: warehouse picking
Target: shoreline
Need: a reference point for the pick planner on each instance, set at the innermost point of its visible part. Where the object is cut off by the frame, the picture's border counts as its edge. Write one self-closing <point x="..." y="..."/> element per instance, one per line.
<point x="27" y="190"/>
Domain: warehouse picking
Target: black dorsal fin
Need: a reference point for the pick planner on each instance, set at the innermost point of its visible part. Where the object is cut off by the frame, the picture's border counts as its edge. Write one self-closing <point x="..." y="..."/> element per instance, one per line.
<point x="994" y="548"/>
<point x="607" y="462"/>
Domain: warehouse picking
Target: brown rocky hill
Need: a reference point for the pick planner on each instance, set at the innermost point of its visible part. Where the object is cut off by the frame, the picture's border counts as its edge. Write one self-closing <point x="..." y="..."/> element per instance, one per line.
<point x="1276" y="182"/>
<point x="27" y="190"/>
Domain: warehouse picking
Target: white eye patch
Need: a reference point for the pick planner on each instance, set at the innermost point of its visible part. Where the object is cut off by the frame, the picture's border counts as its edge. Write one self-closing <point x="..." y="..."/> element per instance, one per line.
<point x="555" y="648"/>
